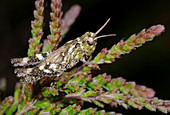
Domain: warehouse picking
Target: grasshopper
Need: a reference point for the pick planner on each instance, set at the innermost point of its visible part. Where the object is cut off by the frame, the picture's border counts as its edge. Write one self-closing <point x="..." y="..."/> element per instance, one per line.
<point x="54" y="63"/>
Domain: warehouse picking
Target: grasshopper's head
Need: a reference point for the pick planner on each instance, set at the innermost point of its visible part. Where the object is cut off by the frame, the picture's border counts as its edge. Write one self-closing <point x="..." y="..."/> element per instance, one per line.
<point x="89" y="39"/>
<point x="89" y="42"/>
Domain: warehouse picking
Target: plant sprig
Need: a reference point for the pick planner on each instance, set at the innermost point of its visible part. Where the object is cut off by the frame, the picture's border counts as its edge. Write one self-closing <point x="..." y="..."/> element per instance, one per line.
<point x="69" y="91"/>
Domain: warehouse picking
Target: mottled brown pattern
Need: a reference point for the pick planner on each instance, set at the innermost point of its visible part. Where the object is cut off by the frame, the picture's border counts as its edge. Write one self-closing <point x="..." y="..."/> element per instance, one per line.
<point x="59" y="60"/>
<point x="31" y="60"/>
<point x="55" y="63"/>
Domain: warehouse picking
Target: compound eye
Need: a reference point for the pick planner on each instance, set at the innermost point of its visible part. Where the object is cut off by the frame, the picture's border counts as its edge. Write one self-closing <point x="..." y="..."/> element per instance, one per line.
<point x="90" y="41"/>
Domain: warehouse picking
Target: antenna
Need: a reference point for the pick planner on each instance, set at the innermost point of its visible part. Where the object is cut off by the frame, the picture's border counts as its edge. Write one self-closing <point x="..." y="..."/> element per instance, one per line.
<point x="102" y="36"/>
<point x="102" y="26"/>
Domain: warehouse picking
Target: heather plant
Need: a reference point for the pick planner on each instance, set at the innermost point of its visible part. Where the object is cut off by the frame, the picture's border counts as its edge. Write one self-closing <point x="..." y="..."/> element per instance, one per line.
<point x="67" y="93"/>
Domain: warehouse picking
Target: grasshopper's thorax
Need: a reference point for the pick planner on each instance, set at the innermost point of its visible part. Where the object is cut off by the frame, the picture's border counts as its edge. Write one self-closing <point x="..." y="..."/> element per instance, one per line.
<point x="89" y="42"/>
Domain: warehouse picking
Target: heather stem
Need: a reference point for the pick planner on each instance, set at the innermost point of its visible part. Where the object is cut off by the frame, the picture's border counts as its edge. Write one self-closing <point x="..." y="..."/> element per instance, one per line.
<point x="69" y="18"/>
<point x="55" y="27"/>
<point x="37" y="31"/>
<point x="124" y="47"/>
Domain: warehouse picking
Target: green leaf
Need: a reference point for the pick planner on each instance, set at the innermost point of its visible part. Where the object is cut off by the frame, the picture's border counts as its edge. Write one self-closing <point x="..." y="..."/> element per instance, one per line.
<point x="12" y="109"/>
<point x="45" y="92"/>
<point x="98" y="104"/>
<point x="41" y="104"/>
<point x="89" y="93"/>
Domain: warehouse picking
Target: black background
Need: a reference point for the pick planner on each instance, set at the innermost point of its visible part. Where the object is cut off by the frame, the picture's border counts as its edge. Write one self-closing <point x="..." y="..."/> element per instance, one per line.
<point x="148" y="66"/>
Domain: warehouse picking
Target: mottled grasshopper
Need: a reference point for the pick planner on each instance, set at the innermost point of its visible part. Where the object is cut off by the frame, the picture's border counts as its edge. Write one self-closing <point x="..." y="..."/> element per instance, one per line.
<point x="54" y="63"/>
